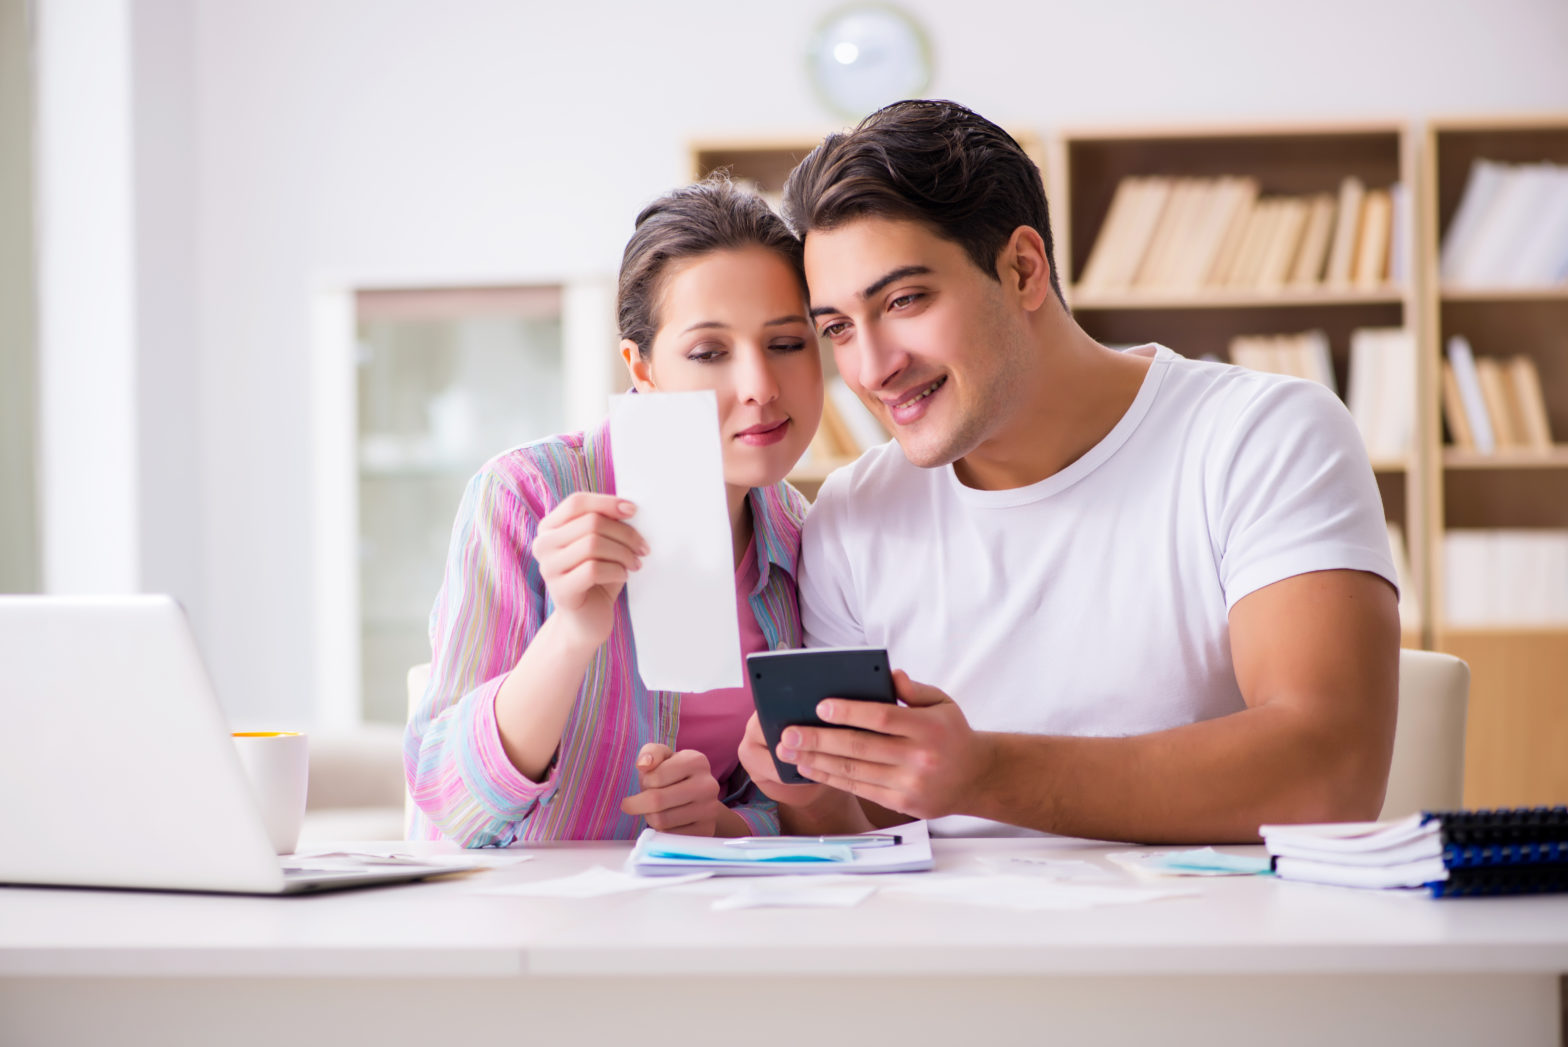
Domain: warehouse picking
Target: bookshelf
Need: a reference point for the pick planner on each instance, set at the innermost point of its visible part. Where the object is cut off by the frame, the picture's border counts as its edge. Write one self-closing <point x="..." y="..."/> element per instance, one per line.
<point x="1200" y="300"/>
<point x="1517" y="732"/>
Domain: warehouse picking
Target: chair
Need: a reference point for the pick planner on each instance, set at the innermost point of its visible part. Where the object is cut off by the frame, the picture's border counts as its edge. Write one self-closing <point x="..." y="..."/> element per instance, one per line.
<point x="418" y="678"/>
<point x="1427" y="773"/>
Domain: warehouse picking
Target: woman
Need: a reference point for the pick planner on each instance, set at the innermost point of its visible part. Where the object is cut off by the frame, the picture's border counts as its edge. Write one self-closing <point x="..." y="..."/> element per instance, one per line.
<point x="535" y="724"/>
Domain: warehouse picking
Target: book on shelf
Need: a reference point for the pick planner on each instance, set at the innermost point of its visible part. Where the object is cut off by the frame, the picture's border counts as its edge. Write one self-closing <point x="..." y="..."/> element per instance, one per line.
<point x="1370" y="267"/>
<point x="1494" y="403"/>
<point x="1239" y="220"/>
<point x="1307" y="268"/>
<point x="1451" y="854"/>
<point x="1454" y="414"/>
<point x="1347" y="232"/>
<point x="1462" y="358"/>
<point x="1513" y="576"/>
<point x="1525" y="381"/>
<point x="1305" y="355"/>
<point x="1284" y="241"/>
<point x="1510" y="228"/>
<point x="1381" y="389"/>
<point x="1499" y="409"/>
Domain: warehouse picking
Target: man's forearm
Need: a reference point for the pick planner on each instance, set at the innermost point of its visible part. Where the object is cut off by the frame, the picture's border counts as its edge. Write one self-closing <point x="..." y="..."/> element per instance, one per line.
<point x="1208" y="782"/>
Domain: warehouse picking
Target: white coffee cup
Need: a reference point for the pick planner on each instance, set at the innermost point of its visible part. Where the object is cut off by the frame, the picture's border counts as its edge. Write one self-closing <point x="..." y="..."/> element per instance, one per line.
<point x="277" y="763"/>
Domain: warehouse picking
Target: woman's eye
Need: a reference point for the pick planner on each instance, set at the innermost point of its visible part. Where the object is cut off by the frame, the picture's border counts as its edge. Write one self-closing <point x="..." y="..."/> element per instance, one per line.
<point x="790" y="346"/>
<point x="705" y="354"/>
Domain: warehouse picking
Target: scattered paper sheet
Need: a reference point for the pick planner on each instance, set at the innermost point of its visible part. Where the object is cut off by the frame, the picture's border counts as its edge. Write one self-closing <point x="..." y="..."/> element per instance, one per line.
<point x="1203" y="861"/>
<point x="682" y="600"/>
<point x="1067" y="870"/>
<point x="770" y="895"/>
<point x="1029" y="892"/>
<point x="490" y="859"/>
<point x="590" y="883"/>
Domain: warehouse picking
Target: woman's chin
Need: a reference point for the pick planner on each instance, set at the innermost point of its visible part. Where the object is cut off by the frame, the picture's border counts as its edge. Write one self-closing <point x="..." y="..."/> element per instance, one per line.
<point x="763" y="469"/>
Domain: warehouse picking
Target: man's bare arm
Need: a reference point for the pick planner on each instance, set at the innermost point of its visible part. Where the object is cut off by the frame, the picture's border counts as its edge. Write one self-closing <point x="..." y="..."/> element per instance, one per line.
<point x="1316" y="657"/>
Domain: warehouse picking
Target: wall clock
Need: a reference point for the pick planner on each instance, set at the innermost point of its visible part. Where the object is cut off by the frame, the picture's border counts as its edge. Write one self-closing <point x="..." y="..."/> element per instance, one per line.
<point x="864" y="56"/>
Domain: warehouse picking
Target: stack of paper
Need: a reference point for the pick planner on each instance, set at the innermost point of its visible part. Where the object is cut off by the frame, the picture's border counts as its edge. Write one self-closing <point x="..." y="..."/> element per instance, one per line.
<point x="668" y="854"/>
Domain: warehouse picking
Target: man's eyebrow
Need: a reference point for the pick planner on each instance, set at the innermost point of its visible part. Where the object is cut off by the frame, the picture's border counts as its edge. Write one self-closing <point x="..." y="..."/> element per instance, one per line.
<point x="876" y="285"/>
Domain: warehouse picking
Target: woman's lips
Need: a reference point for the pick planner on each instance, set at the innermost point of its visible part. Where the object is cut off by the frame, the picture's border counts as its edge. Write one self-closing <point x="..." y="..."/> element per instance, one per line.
<point x="764" y="435"/>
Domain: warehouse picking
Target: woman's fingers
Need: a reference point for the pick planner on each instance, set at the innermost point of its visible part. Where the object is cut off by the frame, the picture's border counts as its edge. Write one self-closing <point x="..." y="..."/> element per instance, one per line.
<point x="651" y="756"/>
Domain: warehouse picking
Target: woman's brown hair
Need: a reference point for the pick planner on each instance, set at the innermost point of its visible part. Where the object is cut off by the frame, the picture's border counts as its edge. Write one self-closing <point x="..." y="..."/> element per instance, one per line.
<point x="711" y="215"/>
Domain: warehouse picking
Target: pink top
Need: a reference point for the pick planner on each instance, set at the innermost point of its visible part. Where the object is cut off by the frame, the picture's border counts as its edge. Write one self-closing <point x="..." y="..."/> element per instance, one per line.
<point x="713" y="721"/>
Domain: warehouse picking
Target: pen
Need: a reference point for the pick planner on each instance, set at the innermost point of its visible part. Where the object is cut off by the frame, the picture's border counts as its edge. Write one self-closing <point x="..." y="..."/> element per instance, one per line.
<point x="874" y="840"/>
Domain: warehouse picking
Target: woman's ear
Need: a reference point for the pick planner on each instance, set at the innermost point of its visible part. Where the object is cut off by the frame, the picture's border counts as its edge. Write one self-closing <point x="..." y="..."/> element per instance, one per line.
<point x="636" y="366"/>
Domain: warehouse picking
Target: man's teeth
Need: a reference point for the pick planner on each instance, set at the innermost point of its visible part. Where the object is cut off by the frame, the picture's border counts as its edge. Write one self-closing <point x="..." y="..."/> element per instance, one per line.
<point x="928" y="391"/>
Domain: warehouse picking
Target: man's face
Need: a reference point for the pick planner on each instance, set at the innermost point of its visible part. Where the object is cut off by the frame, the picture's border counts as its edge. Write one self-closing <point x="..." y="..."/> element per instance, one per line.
<point x="927" y="340"/>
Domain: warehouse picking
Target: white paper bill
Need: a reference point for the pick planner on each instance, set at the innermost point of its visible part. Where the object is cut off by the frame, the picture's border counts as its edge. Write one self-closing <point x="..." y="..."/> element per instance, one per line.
<point x="682" y="601"/>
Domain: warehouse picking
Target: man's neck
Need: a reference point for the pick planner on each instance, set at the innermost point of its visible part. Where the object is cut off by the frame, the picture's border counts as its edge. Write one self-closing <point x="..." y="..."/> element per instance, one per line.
<point x="1079" y="391"/>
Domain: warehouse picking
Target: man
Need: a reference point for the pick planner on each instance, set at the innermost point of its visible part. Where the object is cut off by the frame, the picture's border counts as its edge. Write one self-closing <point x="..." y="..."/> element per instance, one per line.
<point x="1133" y="596"/>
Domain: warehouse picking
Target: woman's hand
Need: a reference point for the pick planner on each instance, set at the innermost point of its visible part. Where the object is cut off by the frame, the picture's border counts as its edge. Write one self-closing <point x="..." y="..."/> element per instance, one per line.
<point x="680" y="795"/>
<point x="802" y="808"/>
<point x="585" y="550"/>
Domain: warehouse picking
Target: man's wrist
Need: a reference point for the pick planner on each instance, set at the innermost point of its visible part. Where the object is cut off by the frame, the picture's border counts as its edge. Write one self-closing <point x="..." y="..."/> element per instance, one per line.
<point x="995" y="792"/>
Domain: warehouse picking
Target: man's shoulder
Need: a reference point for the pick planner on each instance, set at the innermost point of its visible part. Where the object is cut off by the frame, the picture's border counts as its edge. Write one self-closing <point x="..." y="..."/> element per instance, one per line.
<point x="878" y="475"/>
<point x="1231" y="398"/>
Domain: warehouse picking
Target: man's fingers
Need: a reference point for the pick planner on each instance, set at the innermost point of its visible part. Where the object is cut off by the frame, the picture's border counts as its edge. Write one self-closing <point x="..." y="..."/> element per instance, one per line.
<point x="870" y="716"/>
<point x="880" y="795"/>
<point x="911" y="692"/>
<point x="856" y="745"/>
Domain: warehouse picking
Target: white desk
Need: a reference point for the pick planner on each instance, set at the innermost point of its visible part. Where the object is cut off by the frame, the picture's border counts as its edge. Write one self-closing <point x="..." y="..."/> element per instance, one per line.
<point x="1250" y="960"/>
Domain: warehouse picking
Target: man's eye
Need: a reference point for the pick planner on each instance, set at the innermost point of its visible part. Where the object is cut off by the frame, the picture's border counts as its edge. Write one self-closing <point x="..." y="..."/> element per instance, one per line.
<point x="833" y="330"/>
<point x="903" y="301"/>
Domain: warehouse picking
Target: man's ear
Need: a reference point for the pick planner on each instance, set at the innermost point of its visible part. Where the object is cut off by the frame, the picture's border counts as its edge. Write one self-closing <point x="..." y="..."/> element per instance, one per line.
<point x="637" y="367"/>
<point x="1025" y="268"/>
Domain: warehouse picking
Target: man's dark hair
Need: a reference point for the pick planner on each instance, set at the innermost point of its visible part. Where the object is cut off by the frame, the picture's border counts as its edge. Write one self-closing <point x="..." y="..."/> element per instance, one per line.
<point x="935" y="162"/>
<point x="694" y="220"/>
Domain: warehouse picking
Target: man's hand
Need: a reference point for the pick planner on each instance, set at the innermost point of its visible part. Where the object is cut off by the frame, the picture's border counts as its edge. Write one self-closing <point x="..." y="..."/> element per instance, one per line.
<point x="680" y="795"/>
<point x="924" y="760"/>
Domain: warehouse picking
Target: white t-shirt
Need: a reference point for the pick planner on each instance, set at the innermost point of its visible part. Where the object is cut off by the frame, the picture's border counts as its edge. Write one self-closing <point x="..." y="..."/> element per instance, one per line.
<point x="1095" y="602"/>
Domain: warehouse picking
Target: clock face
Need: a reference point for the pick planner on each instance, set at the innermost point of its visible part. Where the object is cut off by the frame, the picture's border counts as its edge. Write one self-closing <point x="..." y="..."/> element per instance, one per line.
<point x="867" y="55"/>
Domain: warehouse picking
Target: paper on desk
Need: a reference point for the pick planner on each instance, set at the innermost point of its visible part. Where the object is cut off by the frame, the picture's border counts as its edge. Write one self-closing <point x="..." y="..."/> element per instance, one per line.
<point x="590" y="883"/>
<point x="1071" y="870"/>
<point x="770" y="895"/>
<point x="1029" y="892"/>
<point x="682" y="600"/>
<point x="489" y="858"/>
<point x="1202" y="861"/>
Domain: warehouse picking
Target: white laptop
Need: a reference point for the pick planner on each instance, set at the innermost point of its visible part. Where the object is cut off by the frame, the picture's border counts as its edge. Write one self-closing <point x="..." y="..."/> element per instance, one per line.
<point x="118" y="764"/>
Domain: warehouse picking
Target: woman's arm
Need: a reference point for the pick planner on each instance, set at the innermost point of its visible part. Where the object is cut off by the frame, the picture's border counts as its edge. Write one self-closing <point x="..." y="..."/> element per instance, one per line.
<point x="584" y="550"/>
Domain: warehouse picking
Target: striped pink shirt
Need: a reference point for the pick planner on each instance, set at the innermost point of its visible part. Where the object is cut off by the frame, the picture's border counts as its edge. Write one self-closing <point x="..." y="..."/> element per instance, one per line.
<point x="491" y="604"/>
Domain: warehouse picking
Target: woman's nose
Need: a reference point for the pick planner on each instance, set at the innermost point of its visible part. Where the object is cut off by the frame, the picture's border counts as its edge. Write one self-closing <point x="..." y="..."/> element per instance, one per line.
<point x="755" y="381"/>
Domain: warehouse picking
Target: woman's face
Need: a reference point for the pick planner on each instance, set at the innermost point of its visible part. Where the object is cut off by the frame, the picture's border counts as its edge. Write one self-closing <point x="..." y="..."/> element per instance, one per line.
<point x="734" y="321"/>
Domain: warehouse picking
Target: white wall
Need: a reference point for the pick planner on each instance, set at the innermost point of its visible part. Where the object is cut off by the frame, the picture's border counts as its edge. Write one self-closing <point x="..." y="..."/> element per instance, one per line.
<point x="401" y="141"/>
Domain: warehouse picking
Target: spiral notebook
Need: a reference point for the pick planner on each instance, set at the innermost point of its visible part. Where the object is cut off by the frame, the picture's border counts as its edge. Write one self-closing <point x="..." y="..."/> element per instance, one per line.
<point x="1520" y="850"/>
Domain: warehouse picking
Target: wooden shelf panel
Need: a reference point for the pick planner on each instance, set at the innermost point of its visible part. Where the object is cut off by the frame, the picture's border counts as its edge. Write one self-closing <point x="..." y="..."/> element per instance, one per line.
<point x="1556" y="458"/>
<point x="1516" y="729"/>
<point x="1223" y="299"/>
<point x="1506" y="295"/>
